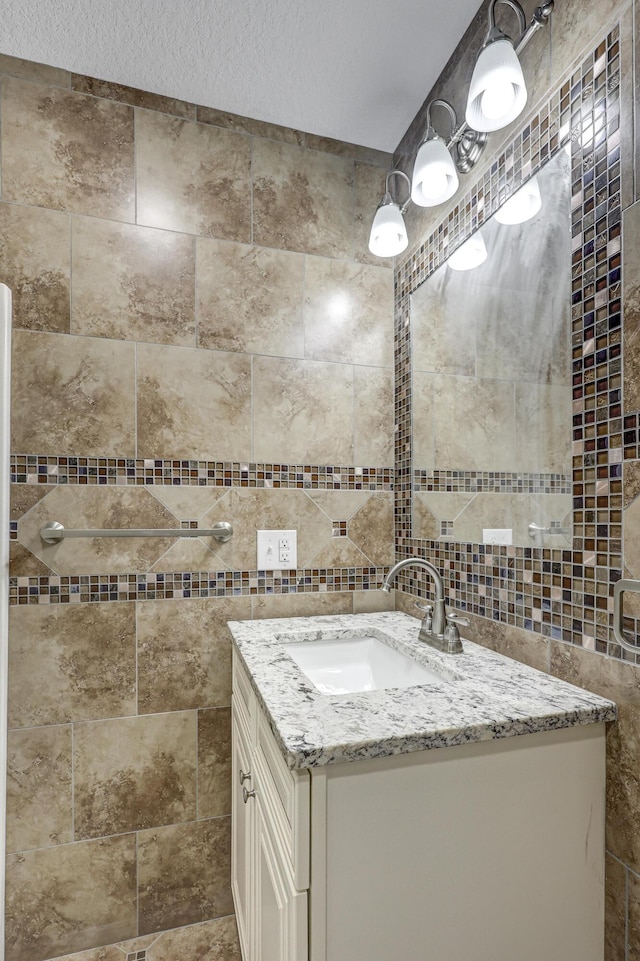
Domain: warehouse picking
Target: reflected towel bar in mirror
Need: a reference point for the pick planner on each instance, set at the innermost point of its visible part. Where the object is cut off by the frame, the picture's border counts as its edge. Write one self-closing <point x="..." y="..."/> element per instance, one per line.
<point x="53" y="532"/>
<point x="536" y="529"/>
<point x="626" y="584"/>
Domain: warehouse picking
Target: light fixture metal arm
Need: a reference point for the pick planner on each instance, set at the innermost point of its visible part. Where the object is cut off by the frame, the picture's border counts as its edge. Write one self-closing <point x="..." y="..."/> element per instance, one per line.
<point x="517" y="9"/>
<point x="437" y="102"/>
<point x="396" y="172"/>
<point x="538" y="20"/>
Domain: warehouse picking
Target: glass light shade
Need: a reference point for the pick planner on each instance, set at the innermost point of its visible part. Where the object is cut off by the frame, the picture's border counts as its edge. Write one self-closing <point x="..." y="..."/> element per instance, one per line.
<point x="524" y="205"/>
<point x="388" y="236"/>
<point x="470" y="254"/>
<point x="497" y="93"/>
<point x="435" y="178"/>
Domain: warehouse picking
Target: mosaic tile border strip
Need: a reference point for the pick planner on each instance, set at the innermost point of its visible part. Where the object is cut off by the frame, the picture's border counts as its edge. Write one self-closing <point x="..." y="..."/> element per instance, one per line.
<point x="497" y="482"/>
<point x="66" y="469"/>
<point x="96" y="588"/>
<point x="561" y="594"/>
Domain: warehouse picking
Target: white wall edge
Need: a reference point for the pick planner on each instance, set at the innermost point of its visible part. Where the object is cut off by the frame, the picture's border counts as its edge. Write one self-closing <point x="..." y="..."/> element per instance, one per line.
<point x="5" y="395"/>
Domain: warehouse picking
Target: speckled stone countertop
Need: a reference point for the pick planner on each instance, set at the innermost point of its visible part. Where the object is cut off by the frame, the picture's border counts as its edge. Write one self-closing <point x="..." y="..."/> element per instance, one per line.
<point x="482" y="695"/>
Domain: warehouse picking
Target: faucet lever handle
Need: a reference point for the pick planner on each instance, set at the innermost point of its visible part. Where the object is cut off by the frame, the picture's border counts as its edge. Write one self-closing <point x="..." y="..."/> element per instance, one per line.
<point x="424" y="607"/>
<point x="454" y="618"/>
<point x="452" y="634"/>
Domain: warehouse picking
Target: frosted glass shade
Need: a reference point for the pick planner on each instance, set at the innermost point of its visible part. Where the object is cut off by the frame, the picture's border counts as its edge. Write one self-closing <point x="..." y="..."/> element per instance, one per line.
<point x="472" y="253"/>
<point x="435" y="178"/>
<point x="388" y="236"/>
<point x="524" y="205"/>
<point x="497" y="93"/>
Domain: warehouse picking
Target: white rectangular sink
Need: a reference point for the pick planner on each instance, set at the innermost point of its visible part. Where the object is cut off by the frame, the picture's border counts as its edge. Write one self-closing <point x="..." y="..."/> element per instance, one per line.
<point x="355" y="664"/>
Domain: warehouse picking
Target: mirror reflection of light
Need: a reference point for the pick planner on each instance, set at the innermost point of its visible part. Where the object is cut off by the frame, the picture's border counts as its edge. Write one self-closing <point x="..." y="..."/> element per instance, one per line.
<point x="524" y="204"/>
<point x="472" y="253"/>
<point x="587" y="135"/>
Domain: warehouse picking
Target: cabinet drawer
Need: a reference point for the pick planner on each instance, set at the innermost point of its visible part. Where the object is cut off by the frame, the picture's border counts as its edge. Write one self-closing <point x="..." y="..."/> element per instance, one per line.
<point x="285" y="795"/>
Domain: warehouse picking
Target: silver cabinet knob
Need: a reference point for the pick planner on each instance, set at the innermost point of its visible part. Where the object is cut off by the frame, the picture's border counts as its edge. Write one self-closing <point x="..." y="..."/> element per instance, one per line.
<point x="247" y="794"/>
<point x="244" y="777"/>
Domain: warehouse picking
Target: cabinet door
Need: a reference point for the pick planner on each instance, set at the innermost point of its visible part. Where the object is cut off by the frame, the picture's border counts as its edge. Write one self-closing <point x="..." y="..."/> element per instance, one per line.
<point x="241" y="836"/>
<point x="280" y="923"/>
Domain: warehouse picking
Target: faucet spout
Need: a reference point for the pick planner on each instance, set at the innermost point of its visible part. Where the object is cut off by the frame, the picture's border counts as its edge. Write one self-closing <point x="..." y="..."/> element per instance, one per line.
<point x="439" y="616"/>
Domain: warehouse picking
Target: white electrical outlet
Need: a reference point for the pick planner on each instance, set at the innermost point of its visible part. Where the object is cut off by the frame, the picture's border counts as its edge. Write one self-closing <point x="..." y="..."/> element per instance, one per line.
<point x="500" y="535"/>
<point x="277" y="550"/>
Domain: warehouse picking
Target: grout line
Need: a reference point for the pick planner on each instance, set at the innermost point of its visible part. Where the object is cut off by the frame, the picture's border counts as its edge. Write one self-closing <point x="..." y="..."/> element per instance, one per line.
<point x="73" y="783"/>
<point x="634" y="105"/>
<point x="252" y="406"/>
<point x="196" y="311"/>
<point x="251" y="188"/>
<point x="135" y="165"/>
<point x="71" y="218"/>
<point x="626" y="915"/>
<point x="138" y="883"/>
<point x="135" y="399"/>
<point x="198" y="711"/>
<point x="137" y="685"/>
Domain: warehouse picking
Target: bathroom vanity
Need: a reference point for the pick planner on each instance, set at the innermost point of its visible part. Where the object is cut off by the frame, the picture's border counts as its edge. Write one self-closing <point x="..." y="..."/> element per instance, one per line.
<point x="457" y="819"/>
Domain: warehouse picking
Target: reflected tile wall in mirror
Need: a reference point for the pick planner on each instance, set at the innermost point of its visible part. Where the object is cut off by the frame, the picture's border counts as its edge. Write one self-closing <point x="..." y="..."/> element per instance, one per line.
<point x="491" y="356"/>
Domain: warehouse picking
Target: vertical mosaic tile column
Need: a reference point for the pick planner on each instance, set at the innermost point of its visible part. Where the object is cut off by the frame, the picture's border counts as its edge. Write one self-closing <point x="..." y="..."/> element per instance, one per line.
<point x="564" y="594"/>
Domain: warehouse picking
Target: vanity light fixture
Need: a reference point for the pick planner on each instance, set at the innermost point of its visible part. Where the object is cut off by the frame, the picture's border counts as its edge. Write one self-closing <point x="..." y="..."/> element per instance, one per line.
<point x="496" y="97"/>
<point x="388" y="236"/>
<point x="435" y="177"/>
<point x="498" y="93"/>
<point x="524" y="205"/>
<point x="470" y="254"/>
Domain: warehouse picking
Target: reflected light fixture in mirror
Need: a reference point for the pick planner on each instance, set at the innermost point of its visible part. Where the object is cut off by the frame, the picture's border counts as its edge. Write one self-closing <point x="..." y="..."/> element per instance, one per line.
<point x="388" y="236"/>
<point x="524" y="205"/>
<point x="470" y="254"/>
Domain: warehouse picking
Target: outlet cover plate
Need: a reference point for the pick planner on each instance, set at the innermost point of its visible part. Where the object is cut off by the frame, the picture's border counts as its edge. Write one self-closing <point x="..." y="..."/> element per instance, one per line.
<point x="277" y="550"/>
<point x="500" y="535"/>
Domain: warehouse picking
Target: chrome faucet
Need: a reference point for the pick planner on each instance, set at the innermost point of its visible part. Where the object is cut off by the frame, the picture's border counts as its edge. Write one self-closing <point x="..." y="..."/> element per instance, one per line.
<point x="438" y="628"/>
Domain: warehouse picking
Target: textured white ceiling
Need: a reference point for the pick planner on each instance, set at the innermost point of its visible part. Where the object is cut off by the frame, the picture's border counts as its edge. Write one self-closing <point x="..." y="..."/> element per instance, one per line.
<point x="356" y="70"/>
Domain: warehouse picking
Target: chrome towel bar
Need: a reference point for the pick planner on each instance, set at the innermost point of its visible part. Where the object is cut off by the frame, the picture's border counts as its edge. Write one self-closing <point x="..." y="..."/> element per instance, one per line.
<point x="53" y="532"/>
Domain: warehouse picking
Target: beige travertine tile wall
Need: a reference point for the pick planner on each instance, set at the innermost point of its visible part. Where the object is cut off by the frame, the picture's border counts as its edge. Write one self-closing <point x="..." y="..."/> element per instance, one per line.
<point x="187" y="285"/>
<point x="576" y="27"/>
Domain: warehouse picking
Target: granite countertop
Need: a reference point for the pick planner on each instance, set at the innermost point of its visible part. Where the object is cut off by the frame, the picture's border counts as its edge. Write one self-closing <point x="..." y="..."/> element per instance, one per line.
<point x="482" y="695"/>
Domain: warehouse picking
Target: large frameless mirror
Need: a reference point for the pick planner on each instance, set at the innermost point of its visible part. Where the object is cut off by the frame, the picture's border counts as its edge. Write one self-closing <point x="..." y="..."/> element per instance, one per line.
<point x="491" y="377"/>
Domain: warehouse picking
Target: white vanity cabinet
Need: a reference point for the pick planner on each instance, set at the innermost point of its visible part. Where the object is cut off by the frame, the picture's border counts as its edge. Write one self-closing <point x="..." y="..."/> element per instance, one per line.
<point x="270" y="838"/>
<point x="485" y="851"/>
